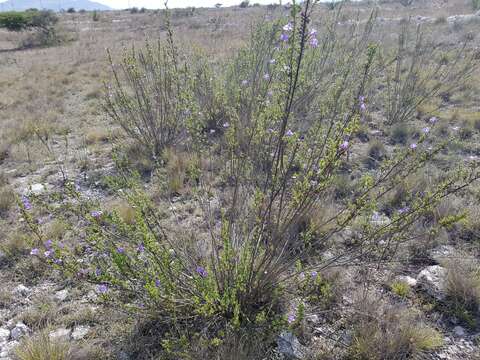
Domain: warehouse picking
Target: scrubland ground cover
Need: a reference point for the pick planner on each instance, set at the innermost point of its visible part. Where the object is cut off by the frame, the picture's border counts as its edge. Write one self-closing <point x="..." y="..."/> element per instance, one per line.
<point x="242" y="183"/>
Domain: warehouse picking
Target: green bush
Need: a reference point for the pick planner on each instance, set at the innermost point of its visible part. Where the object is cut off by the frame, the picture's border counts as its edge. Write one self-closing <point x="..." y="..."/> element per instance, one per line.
<point x="14" y="21"/>
<point x="150" y="96"/>
<point x="288" y="125"/>
<point x="43" y="22"/>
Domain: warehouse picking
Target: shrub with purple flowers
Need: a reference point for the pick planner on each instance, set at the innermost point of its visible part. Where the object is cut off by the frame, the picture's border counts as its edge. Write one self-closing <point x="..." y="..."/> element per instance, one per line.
<point x="282" y="141"/>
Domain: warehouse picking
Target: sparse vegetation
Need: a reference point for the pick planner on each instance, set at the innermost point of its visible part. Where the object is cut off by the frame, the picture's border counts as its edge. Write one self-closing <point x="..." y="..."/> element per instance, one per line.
<point x="247" y="182"/>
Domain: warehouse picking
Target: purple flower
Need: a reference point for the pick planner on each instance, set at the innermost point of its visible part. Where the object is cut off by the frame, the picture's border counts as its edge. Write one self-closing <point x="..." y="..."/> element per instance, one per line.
<point x="270" y="93"/>
<point x="98" y="272"/>
<point x="34" y="251"/>
<point x="82" y="272"/>
<point x="26" y="203"/>
<point x="403" y="210"/>
<point x="289" y="133"/>
<point x="157" y="283"/>
<point x="426" y="130"/>
<point x="413" y="146"/>
<point x="433" y="120"/>
<point x="48" y="253"/>
<point x="272" y="61"/>
<point x="313" y="42"/>
<point x="120" y="250"/>
<point x="288" y="27"/>
<point x="96" y="214"/>
<point x="48" y="244"/>
<point x="314" y="274"/>
<point x="226" y="125"/>
<point x="284" y="37"/>
<point x="266" y="76"/>
<point x="201" y="271"/>
<point x="313" y="32"/>
<point x="141" y="248"/>
<point x="291" y="318"/>
<point x="344" y="145"/>
<point x="102" y="289"/>
<point x="58" y="261"/>
<point x="270" y="130"/>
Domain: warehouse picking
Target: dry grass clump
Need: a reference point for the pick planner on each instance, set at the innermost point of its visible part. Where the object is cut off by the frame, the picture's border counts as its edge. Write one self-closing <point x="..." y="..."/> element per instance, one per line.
<point x="7" y="199"/>
<point x="463" y="282"/>
<point x="181" y="168"/>
<point x="384" y="332"/>
<point x="43" y="312"/>
<point x="97" y="135"/>
<point x="42" y="347"/>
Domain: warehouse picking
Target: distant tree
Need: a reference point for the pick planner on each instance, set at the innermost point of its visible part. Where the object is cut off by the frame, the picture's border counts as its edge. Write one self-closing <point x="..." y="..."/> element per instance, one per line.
<point x="218" y="6"/>
<point x="71" y="10"/>
<point x="95" y="16"/>
<point x="244" y="4"/>
<point x="14" y="21"/>
<point x="134" y="10"/>
<point x="43" y="22"/>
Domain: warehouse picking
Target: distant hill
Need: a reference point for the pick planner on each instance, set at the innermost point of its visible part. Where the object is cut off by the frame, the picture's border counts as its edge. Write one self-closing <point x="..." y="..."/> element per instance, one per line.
<point x="55" y="5"/>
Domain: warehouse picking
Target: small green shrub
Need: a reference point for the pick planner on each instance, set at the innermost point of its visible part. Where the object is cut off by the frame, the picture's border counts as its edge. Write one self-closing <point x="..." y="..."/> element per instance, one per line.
<point x="400" y="288"/>
<point x="244" y="4"/>
<point x="150" y="96"/>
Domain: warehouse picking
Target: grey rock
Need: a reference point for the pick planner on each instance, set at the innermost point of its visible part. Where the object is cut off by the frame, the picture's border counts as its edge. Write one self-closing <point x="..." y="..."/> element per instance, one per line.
<point x="289" y="346"/>
<point x="463" y="19"/>
<point x="4" y="335"/>
<point x="459" y="331"/>
<point x="61" y="295"/>
<point x="442" y="252"/>
<point x="21" y="290"/>
<point x="379" y="219"/>
<point x="19" y="331"/>
<point x="60" y="334"/>
<point x="7" y="349"/>
<point x="407" y="280"/>
<point x="79" y="332"/>
<point x="36" y="189"/>
<point x="432" y="280"/>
